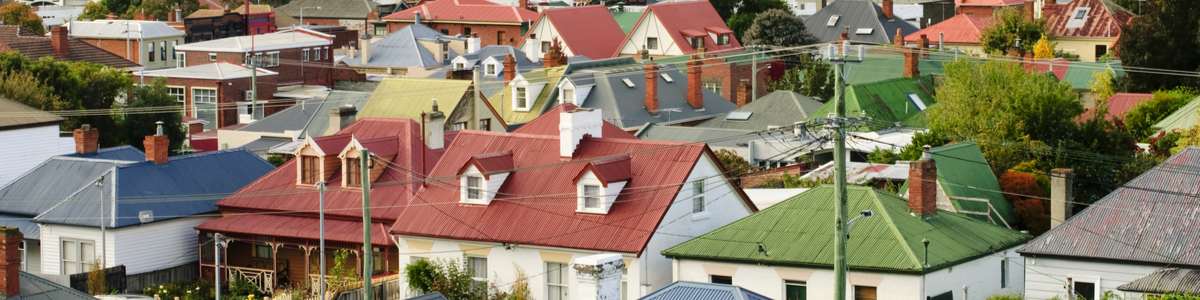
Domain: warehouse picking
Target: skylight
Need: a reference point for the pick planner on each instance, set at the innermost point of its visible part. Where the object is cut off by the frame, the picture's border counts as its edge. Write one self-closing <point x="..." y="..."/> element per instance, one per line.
<point x="739" y="115"/>
<point x="832" y="20"/>
<point x="667" y="77"/>
<point x="1078" y="18"/>
<point x="864" y="31"/>
<point x="628" y="83"/>
<point x="916" y="100"/>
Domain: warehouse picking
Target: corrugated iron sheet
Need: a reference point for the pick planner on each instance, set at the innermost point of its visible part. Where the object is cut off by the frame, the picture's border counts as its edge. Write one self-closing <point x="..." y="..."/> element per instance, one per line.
<point x="1166" y="281"/>
<point x="296" y="227"/>
<point x="687" y="290"/>
<point x="1104" y="19"/>
<point x="465" y="10"/>
<point x="589" y="30"/>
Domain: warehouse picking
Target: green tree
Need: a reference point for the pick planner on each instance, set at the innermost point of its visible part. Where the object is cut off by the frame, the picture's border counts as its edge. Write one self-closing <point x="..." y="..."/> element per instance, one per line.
<point x="1164" y="36"/>
<point x="1044" y="49"/>
<point x="883" y="156"/>
<point x="23" y="87"/>
<point x="117" y="6"/>
<point x="740" y="14"/>
<point x="734" y="164"/>
<point x="777" y="27"/>
<point x="1140" y="120"/>
<point x="807" y="76"/>
<point x="137" y="126"/>
<point x="1103" y="88"/>
<point x="16" y="13"/>
<point x="1011" y="31"/>
<point x="76" y="85"/>
<point x="94" y="10"/>
<point x="448" y="277"/>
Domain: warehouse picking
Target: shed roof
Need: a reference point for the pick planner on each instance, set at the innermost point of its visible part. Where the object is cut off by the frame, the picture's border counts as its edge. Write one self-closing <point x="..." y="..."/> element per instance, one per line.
<point x="1166" y="281"/>
<point x="330" y="9"/>
<point x="688" y="290"/>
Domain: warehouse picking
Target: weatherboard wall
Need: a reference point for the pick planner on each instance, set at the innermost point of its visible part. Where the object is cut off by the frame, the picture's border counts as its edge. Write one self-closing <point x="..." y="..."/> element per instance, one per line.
<point x="650" y="26"/>
<point x="25" y="148"/>
<point x="1046" y="278"/>
<point x="141" y="248"/>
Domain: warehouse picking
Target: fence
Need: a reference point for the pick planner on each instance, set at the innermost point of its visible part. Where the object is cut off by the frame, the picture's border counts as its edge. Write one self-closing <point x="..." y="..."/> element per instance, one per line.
<point x="114" y="279"/>
<point x="386" y="290"/>
<point x="187" y="272"/>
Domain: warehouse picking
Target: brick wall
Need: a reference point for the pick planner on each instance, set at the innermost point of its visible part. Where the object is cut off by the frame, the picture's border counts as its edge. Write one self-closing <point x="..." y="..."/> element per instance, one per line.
<point x="730" y="74"/>
<point x="229" y="92"/>
<point x="118" y="47"/>
<point x="291" y="69"/>
<point x="488" y="34"/>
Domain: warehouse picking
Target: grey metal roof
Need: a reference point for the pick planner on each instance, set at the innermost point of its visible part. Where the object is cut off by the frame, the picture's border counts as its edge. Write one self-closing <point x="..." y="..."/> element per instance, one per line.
<point x="401" y="49"/>
<point x="688" y="290"/>
<point x="22" y="223"/>
<point x="22" y="115"/>
<point x="1166" y="281"/>
<point x="125" y="153"/>
<point x="47" y="184"/>
<point x="712" y="136"/>
<point x="779" y="108"/>
<point x="37" y="288"/>
<point x="624" y="105"/>
<point x="264" y="144"/>
<point x="1149" y="220"/>
<point x="332" y="9"/>
<point x="856" y="14"/>
<point x="311" y="117"/>
<point x="184" y="186"/>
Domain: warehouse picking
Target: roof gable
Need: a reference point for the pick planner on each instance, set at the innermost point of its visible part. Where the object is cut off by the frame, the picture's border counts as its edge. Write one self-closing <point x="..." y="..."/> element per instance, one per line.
<point x="682" y="18"/>
<point x="855" y="14"/>
<point x="1085" y="18"/>
<point x="589" y="30"/>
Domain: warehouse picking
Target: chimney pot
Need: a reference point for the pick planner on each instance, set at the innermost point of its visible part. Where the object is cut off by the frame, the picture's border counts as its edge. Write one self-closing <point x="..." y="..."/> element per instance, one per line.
<point x="10" y="263"/>
<point x="922" y="191"/>
<point x="651" y="100"/>
<point x="87" y="139"/>
<point x="695" y="95"/>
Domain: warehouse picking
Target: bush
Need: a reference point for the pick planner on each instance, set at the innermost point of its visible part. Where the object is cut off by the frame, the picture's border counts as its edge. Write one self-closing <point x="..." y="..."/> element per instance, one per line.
<point x="1142" y="117"/>
<point x="1005" y="297"/>
<point x="181" y="290"/>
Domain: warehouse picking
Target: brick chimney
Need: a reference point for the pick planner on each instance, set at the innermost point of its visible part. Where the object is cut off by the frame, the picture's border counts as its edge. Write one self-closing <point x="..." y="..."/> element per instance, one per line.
<point x="651" y="87"/>
<point x="523" y="4"/>
<point x="59" y="40"/>
<point x="156" y="145"/>
<point x="922" y="186"/>
<point x="87" y="139"/>
<point x="912" y="62"/>
<point x="743" y="93"/>
<point x="10" y="246"/>
<point x="510" y="68"/>
<point x="888" y="12"/>
<point x="1060" y="195"/>
<point x="695" y="96"/>
<point x="554" y="57"/>
<point x="924" y="42"/>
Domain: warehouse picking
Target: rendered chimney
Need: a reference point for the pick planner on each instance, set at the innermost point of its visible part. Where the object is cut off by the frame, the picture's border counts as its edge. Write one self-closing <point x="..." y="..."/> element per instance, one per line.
<point x="87" y="139"/>
<point x="888" y="12"/>
<point x="743" y="93"/>
<point x="178" y="15"/>
<point x="10" y="246"/>
<point x="60" y="41"/>
<point x="1061" y="195"/>
<point x="156" y="145"/>
<point x="922" y="186"/>
<point x="695" y="94"/>
<point x="573" y="125"/>
<point x="435" y="128"/>
<point x="651" y="100"/>
<point x="510" y="68"/>
<point x="599" y="276"/>
<point x="340" y="117"/>
<point x="364" y="47"/>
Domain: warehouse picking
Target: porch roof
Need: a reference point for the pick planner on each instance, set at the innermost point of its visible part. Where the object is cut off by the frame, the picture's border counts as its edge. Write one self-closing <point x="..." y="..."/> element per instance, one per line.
<point x="296" y="227"/>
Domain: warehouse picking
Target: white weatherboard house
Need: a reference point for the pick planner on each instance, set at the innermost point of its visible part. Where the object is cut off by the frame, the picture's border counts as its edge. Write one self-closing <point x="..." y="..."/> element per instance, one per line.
<point x="1146" y="225"/>
<point x="514" y="207"/>
<point x="28" y="139"/>
<point x="679" y="28"/>
<point x="897" y="248"/>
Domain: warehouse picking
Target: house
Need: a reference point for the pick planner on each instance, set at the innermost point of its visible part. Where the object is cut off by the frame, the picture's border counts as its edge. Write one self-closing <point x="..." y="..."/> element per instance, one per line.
<point x="58" y="45"/>
<point x="316" y="117"/>
<point x="1117" y="106"/>
<point x="777" y="109"/>
<point x="349" y="13"/>
<point x="165" y="196"/>
<point x="301" y="56"/>
<point x="899" y="102"/>
<point x="505" y="203"/>
<point x="218" y="23"/>
<point x="58" y="15"/>
<point x="987" y="8"/>
<point x="589" y="31"/>
<point x="631" y="99"/>
<point x="464" y="109"/>
<point x="280" y="238"/>
<point x="1182" y="119"/>
<point x="967" y="186"/>
<point x="220" y="93"/>
<point x="1165" y="281"/>
<point x="703" y="291"/>
<point x="415" y="51"/>
<point x="493" y="23"/>
<point x="960" y="33"/>
<point x="30" y="136"/>
<point x="1093" y="252"/>
<point x="678" y="28"/>
<point x="868" y="22"/>
<point x="16" y="283"/>
<point x="896" y="248"/>
<point x="147" y="43"/>
<point x="491" y="58"/>
<point x="1088" y="28"/>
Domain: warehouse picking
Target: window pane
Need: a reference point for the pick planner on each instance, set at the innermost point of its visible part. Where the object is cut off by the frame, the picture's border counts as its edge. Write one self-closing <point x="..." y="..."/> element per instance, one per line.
<point x="795" y="290"/>
<point x="474" y="187"/>
<point x="719" y="279"/>
<point x="70" y="251"/>
<point x="1085" y="290"/>
<point x="87" y="252"/>
<point x="556" y="278"/>
<point x="698" y="198"/>
<point x="864" y="292"/>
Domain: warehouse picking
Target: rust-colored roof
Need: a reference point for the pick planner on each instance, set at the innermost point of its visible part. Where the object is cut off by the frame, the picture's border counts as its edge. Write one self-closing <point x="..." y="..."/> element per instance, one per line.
<point x="589" y="30"/>
<point x="536" y="205"/>
<point x="988" y="2"/>
<point x="307" y="228"/>
<point x="547" y="124"/>
<point x="455" y="11"/>
<point x="697" y="17"/>
<point x="960" y="29"/>
<point x="255" y="9"/>
<point x="608" y="170"/>
<point x="491" y="163"/>
<point x="34" y="46"/>
<point x="1103" y="19"/>
<point x="1118" y="105"/>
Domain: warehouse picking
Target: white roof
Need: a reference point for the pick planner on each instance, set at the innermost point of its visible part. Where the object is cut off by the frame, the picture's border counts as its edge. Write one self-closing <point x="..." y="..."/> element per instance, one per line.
<point x="764" y="198"/>
<point x="120" y="29"/>
<point x="286" y="39"/>
<point x="216" y="71"/>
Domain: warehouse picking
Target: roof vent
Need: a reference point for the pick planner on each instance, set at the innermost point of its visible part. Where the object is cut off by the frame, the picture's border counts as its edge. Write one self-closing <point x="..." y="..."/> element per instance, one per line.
<point x="146" y="216"/>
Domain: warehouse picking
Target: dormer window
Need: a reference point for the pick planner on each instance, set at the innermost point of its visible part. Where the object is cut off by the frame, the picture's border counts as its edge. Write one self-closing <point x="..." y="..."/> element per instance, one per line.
<point x="567" y="94"/>
<point x="591" y="197"/>
<point x="310" y="169"/>
<point x="474" y="187"/>
<point x="482" y="176"/>
<point x="490" y="69"/>
<point x="723" y="39"/>
<point x="696" y="42"/>
<point x="310" y="163"/>
<point x="353" y="172"/>
<point x="600" y="182"/>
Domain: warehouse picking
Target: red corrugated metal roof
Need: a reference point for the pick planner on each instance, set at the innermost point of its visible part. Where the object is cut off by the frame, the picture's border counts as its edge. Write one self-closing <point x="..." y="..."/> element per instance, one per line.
<point x="490" y="163"/>
<point x="451" y="11"/>
<point x="547" y="124"/>
<point x="677" y="17"/>
<point x="589" y="30"/>
<point x="1057" y="66"/>
<point x="960" y="29"/>
<point x="609" y="169"/>
<point x="295" y="227"/>
<point x="1103" y="20"/>
<point x="988" y="2"/>
<point x="1118" y="105"/>
<point x="536" y="204"/>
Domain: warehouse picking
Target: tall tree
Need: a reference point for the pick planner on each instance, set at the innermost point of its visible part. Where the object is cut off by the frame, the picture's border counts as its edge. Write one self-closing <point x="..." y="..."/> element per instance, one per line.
<point x="807" y="76"/>
<point x="1140" y="119"/>
<point x="1165" y="36"/>
<point x="740" y="14"/>
<point x="777" y="27"/>
<point x="17" y="13"/>
<point x="1011" y="31"/>
<point x="137" y="126"/>
<point x="93" y="11"/>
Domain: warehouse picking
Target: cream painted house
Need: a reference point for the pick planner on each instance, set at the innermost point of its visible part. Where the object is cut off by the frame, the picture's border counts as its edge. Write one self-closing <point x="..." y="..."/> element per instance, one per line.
<point x="679" y="28"/>
<point x="1088" y="28"/>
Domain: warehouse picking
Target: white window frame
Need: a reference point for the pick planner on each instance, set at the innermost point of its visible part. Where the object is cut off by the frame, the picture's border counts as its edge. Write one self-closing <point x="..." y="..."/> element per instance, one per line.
<point x="651" y="43"/>
<point x="563" y="284"/>
<point x="477" y="278"/>
<point x="216" y="101"/>
<point x="474" y="193"/>
<point x="305" y="55"/>
<point x="181" y="97"/>
<point x="567" y="95"/>
<point x="597" y="197"/>
<point x="83" y="266"/>
<point x="490" y="69"/>
<point x="698" y="205"/>
<point x="521" y="98"/>
<point x="212" y="56"/>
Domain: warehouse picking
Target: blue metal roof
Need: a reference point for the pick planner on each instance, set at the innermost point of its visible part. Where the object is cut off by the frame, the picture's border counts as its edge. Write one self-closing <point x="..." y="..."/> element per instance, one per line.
<point x="688" y="290"/>
<point x="127" y="153"/>
<point x="185" y="186"/>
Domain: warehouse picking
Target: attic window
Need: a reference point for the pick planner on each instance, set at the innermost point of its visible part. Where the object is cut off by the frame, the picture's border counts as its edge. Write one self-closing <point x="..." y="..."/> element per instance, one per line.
<point x="864" y="31"/>
<point x="474" y="187"/>
<point x="591" y="196"/>
<point x="628" y="83"/>
<point x="739" y="115"/>
<point x="310" y="169"/>
<point x="723" y="39"/>
<point x="521" y="98"/>
<point x="696" y="42"/>
<point x="667" y="77"/>
<point x="353" y="172"/>
<point x="491" y="69"/>
<point x="832" y="20"/>
<point x="916" y="100"/>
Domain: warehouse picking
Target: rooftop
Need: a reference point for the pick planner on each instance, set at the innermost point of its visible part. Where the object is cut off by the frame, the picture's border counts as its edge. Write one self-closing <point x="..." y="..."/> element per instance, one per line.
<point x="864" y="18"/>
<point x="214" y="71"/>
<point x="284" y="39"/>
<point x="464" y="11"/>
<point x="21" y="115"/>
<point x="122" y="29"/>
<point x="681" y="290"/>
<point x="39" y="46"/>
<point x="588" y="30"/>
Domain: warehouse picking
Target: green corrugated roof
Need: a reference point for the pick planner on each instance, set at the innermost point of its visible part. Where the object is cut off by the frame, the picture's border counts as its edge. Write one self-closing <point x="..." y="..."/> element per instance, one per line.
<point x="408" y="97"/>
<point x="1080" y="74"/>
<point x="1182" y="118"/>
<point x="626" y="19"/>
<point x="799" y="232"/>
<point x="884" y="66"/>
<point x="504" y="106"/>
<point x="963" y="174"/>
<point x="886" y="102"/>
